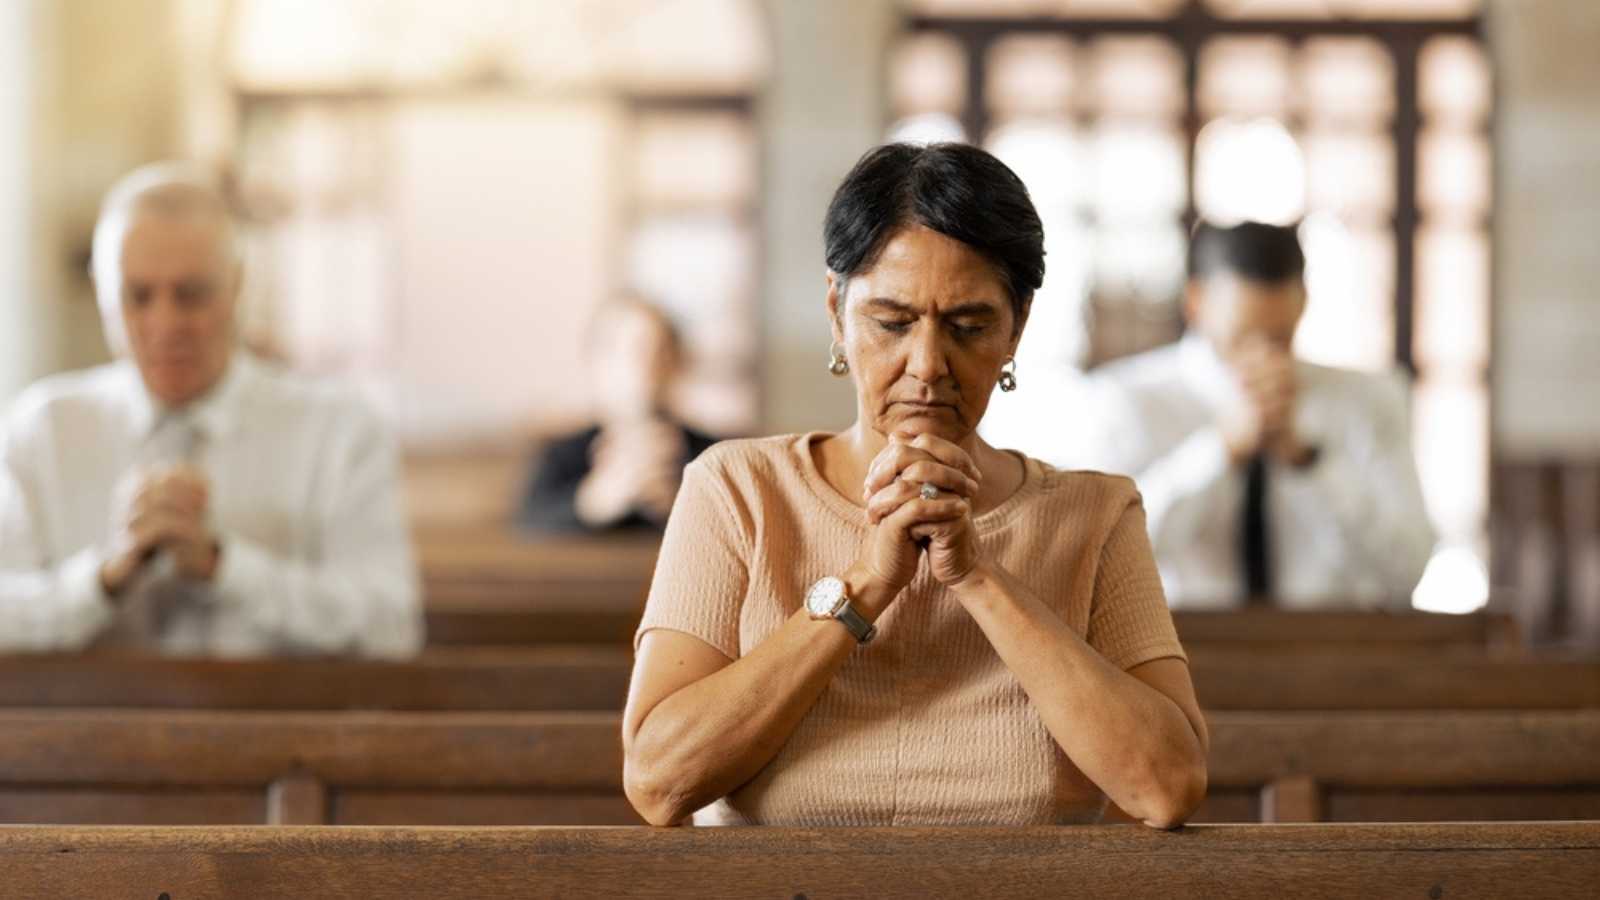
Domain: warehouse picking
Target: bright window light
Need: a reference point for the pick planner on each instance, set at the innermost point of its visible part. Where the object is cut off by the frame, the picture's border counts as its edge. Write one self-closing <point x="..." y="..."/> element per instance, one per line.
<point x="1249" y="169"/>
<point x="927" y="128"/>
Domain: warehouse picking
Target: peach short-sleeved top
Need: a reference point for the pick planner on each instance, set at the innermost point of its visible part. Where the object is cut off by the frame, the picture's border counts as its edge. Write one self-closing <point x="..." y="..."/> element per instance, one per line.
<point x="924" y="725"/>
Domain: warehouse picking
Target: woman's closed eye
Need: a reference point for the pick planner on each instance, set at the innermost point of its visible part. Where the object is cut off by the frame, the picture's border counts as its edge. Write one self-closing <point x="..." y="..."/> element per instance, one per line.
<point x="896" y="326"/>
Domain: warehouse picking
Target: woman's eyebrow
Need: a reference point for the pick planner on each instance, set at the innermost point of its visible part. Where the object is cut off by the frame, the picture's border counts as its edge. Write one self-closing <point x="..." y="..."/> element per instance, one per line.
<point x="885" y="303"/>
<point x="971" y="308"/>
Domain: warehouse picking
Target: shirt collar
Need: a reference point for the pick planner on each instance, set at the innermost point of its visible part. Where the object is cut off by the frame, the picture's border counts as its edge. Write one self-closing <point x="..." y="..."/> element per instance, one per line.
<point x="215" y="413"/>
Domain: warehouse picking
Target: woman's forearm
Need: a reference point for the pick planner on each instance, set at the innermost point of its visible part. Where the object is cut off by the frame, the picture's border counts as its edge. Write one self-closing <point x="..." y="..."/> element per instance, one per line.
<point x="707" y="739"/>
<point x="1127" y="737"/>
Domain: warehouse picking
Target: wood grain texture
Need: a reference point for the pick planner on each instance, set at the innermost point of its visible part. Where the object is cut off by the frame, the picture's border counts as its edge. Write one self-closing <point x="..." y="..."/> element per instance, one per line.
<point x="403" y="807"/>
<point x="1522" y="860"/>
<point x="1418" y="682"/>
<point x="560" y="678"/>
<point x="534" y="678"/>
<point x="562" y="751"/>
<point x="1407" y="749"/>
<point x="580" y="751"/>
<point x="78" y="805"/>
<point x="506" y="588"/>
<point x="1353" y="631"/>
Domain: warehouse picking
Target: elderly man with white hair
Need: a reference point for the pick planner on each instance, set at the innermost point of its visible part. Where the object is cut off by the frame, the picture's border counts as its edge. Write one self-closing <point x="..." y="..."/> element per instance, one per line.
<point x="188" y="499"/>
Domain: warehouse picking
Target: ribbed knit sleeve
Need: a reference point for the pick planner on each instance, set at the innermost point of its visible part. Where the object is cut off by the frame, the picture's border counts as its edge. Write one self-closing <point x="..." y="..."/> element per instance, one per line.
<point x="1129" y="623"/>
<point x="702" y="573"/>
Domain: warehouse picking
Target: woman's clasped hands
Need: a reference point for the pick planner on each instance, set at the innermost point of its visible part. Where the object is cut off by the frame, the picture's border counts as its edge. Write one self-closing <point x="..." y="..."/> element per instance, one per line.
<point x="906" y="520"/>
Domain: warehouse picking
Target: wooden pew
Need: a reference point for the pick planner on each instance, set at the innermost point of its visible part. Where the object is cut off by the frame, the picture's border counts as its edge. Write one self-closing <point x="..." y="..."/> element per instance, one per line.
<point x="1229" y="681"/>
<point x="490" y="584"/>
<point x="497" y="587"/>
<point x="149" y="767"/>
<point x="1348" y="632"/>
<point x="601" y="601"/>
<point x="1436" y="861"/>
<point x="551" y="678"/>
<point x="595" y="678"/>
<point x="1403" y="766"/>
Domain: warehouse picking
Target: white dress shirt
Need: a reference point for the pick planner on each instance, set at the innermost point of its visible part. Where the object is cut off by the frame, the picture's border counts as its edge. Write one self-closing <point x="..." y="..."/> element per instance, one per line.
<point x="1350" y="528"/>
<point x="315" y="553"/>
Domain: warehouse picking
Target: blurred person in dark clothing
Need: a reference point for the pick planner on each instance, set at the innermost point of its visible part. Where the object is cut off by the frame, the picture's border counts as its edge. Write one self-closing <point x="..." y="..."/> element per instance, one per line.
<point x="623" y="471"/>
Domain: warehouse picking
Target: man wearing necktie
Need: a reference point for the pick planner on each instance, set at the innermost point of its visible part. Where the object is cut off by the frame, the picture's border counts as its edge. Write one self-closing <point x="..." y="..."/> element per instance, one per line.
<point x="189" y="499"/>
<point x="1265" y="478"/>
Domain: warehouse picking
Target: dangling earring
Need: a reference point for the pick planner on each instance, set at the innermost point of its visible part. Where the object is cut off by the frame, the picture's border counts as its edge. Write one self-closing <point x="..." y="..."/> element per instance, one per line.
<point x="838" y="366"/>
<point x="1008" y="380"/>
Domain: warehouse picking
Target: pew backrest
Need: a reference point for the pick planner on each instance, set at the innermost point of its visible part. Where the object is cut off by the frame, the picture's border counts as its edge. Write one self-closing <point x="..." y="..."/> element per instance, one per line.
<point x="565" y="768"/>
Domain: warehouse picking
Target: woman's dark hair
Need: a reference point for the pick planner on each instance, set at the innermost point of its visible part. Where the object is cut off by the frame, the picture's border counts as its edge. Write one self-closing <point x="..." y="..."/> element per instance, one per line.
<point x="1253" y="250"/>
<point x="958" y="190"/>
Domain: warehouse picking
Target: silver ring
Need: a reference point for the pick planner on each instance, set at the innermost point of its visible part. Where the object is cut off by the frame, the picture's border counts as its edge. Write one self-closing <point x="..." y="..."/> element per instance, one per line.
<point x="928" y="491"/>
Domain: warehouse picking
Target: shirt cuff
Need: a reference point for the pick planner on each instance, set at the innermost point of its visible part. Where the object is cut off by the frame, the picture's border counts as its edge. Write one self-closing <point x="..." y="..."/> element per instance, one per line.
<point x="83" y="594"/>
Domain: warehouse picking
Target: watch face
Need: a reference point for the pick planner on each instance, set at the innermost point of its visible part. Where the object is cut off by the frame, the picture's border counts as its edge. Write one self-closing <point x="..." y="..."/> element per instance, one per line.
<point x="824" y="597"/>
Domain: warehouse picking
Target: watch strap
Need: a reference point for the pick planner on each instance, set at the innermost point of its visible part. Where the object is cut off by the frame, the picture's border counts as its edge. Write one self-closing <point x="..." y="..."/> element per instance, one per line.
<point x="860" y="628"/>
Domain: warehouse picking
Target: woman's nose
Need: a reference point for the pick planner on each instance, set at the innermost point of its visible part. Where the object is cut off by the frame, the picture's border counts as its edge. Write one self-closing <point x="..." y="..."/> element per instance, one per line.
<point x="927" y="363"/>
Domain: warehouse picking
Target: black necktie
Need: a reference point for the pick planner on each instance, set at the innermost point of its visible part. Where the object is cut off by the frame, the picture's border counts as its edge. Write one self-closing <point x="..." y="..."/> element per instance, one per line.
<point x="1257" y="552"/>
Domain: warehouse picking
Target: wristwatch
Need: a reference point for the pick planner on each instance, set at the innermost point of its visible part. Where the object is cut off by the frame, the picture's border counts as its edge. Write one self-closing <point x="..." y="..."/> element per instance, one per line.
<point x="828" y="599"/>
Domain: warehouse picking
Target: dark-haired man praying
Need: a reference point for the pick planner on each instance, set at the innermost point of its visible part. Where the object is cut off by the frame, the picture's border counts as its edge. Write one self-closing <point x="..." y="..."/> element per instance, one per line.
<point x="1263" y="476"/>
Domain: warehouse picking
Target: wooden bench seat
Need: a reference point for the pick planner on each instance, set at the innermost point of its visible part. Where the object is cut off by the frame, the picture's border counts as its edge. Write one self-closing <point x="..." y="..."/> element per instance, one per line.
<point x="1534" y="860"/>
<point x="565" y="768"/>
<point x="595" y="677"/>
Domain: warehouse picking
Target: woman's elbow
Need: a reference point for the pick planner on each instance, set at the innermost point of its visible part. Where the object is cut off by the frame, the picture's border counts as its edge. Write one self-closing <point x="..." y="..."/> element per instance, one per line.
<point x="1178" y="797"/>
<point x="657" y="796"/>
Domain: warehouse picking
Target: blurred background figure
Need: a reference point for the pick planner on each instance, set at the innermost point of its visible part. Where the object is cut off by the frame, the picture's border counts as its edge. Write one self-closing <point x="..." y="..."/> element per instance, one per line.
<point x="186" y="498"/>
<point x="1267" y="479"/>
<point x="402" y="171"/>
<point x="623" y="471"/>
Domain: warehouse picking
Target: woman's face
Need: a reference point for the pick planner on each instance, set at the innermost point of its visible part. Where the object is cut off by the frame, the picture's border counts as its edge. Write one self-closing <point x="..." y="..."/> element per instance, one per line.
<point x="926" y="331"/>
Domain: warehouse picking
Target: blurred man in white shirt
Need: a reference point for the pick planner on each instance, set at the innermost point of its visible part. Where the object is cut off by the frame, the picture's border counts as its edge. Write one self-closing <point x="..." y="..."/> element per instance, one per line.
<point x="1264" y="477"/>
<point x="187" y="499"/>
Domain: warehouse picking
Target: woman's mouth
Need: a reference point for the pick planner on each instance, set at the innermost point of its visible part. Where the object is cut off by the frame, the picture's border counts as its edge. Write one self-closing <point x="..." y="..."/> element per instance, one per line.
<point x="922" y="408"/>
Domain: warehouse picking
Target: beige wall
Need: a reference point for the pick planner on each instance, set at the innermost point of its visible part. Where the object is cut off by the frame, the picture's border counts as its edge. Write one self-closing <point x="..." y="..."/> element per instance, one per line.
<point x="823" y="110"/>
<point x="18" y="354"/>
<point x="101" y="86"/>
<point x="1547" y="311"/>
